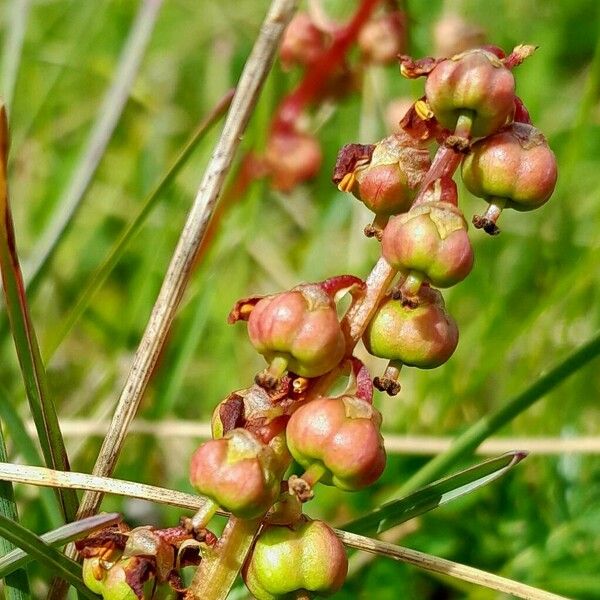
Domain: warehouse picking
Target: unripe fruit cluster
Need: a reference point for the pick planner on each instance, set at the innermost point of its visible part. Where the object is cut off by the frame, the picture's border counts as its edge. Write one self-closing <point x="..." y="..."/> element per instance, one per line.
<point x="469" y="108"/>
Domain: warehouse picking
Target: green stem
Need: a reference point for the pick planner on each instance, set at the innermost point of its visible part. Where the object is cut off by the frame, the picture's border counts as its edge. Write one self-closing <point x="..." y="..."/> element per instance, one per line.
<point x="204" y="515"/>
<point x="465" y="444"/>
<point x="464" y="124"/>
<point x="215" y="575"/>
<point x="314" y="473"/>
<point x="412" y="284"/>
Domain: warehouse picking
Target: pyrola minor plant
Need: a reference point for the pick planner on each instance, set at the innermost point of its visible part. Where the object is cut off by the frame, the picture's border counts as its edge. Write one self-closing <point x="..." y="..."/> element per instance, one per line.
<point x="470" y="113"/>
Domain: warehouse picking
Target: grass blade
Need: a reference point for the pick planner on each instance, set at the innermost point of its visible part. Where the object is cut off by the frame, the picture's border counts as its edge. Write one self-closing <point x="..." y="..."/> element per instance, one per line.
<point x="445" y="567"/>
<point x="38" y="549"/>
<point x="16" y="585"/>
<point x="467" y="442"/>
<point x="103" y="271"/>
<point x="109" y="115"/>
<point x="436" y="494"/>
<point x="28" y="352"/>
<point x="17" y="558"/>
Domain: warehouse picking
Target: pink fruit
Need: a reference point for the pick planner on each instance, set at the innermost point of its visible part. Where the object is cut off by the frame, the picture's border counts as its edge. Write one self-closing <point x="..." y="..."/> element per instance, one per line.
<point x="341" y="436"/>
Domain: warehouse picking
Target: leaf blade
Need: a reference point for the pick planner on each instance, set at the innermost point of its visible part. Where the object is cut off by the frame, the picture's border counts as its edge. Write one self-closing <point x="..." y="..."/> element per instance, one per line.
<point x="61" y="565"/>
<point x="25" y="339"/>
<point x="433" y="495"/>
<point x="17" y="558"/>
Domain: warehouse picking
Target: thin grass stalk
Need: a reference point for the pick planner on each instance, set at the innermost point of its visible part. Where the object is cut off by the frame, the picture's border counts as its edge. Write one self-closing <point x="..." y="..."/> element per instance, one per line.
<point x="446" y="567"/>
<point x="22" y="438"/>
<point x="41" y="476"/>
<point x="100" y="275"/>
<point x="410" y="445"/>
<point x="13" y="49"/>
<point x="16" y="585"/>
<point x="26" y="344"/>
<point x="108" y="117"/>
<point x="81" y="37"/>
<point x="465" y="444"/>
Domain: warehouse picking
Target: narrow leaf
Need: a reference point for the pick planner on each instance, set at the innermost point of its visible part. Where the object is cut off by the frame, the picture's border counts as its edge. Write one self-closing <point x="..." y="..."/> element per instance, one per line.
<point x="17" y="558"/>
<point x="28" y="352"/>
<point x="16" y="585"/>
<point x="39" y="550"/>
<point x="436" y="494"/>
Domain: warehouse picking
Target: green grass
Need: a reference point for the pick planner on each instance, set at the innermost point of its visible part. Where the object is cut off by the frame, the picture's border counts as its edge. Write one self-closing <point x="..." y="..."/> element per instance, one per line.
<point x="532" y="299"/>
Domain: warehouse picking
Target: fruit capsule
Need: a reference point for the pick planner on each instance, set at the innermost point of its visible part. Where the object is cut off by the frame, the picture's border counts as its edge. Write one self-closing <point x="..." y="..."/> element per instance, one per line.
<point x="386" y="180"/>
<point x="339" y="440"/>
<point x="302" y="42"/>
<point x="292" y="158"/>
<point x="423" y="337"/>
<point x="429" y="243"/>
<point x="298" y="330"/>
<point x="475" y="84"/>
<point x="307" y="556"/>
<point x="513" y="168"/>
<point x="237" y="472"/>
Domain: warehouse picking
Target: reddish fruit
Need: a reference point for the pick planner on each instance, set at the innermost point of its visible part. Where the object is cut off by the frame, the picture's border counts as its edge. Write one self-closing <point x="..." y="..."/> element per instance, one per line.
<point x="306" y="556"/>
<point x="476" y="85"/>
<point x="424" y="337"/>
<point x="300" y="328"/>
<point x="340" y="435"/>
<point x="386" y="183"/>
<point x="514" y="168"/>
<point x="430" y="242"/>
<point x="237" y="472"/>
<point x="302" y="42"/>
<point x="292" y="158"/>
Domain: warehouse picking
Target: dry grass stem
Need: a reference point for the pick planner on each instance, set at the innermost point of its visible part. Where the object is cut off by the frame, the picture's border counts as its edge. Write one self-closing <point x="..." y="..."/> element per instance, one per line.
<point x="49" y="478"/>
<point x="394" y="444"/>
<point x="445" y="567"/>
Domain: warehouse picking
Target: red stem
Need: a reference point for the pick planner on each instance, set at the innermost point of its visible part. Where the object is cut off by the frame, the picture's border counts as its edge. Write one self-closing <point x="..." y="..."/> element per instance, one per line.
<point x="333" y="285"/>
<point x="444" y="164"/>
<point x="317" y="76"/>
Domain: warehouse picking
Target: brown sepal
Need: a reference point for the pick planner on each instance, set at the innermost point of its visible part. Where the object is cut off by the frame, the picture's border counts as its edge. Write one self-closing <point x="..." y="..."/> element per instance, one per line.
<point x="518" y="55"/>
<point x="138" y="570"/>
<point x="422" y="130"/>
<point x="242" y="309"/>
<point x="231" y="412"/>
<point x="99" y="542"/>
<point x="349" y="157"/>
<point x="421" y="67"/>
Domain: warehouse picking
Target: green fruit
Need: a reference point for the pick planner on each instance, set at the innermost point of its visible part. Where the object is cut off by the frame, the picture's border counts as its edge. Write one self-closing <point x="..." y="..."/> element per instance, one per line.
<point x="307" y="556"/>
<point x="424" y="337"/>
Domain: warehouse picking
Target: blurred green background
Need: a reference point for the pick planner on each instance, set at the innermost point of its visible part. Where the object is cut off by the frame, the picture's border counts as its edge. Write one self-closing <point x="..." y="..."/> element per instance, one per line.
<point x="532" y="297"/>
